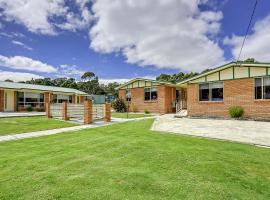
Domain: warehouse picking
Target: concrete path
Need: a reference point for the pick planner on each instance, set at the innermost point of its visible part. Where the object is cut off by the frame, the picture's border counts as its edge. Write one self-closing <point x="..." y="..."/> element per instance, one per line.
<point x="96" y="124"/>
<point x="21" y="114"/>
<point x="252" y="132"/>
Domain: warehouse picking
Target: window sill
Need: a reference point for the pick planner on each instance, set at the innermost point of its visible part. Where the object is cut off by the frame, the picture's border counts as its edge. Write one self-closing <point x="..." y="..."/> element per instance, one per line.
<point x="150" y="101"/>
<point x="262" y="100"/>
<point x="211" y="102"/>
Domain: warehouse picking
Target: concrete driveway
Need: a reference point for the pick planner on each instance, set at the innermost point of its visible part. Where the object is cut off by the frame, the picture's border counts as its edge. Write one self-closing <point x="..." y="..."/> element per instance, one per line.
<point x="252" y="132"/>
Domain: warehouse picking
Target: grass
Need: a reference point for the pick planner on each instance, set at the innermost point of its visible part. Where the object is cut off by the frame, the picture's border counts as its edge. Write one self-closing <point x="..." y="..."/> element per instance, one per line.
<point x="16" y="125"/>
<point x="128" y="161"/>
<point x="130" y="115"/>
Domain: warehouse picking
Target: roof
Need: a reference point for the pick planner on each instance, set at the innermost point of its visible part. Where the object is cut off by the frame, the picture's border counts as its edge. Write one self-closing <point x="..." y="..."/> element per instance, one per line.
<point x="143" y="79"/>
<point x="21" y="86"/>
<point x="225" y="66"/>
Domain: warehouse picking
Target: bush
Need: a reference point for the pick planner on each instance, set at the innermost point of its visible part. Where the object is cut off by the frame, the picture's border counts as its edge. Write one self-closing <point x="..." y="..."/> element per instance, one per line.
<point x="119" y="105"/>
<point x="29" y="109"/>
<point x="236" y="111"/>
<point x="146" y="111"/>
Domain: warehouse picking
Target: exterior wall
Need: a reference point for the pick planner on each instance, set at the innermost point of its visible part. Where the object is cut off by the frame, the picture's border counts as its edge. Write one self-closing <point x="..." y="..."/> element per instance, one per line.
<point x="1" y="100"/>
<point x="235" y="92"/>
<point x="166" y="95"/>
<point x="234" y="72"/>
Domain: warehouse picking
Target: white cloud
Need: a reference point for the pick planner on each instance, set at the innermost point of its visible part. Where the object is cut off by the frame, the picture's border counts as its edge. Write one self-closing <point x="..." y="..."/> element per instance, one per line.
<point x="17" y="76"/>
<point x="25" y="63"/>
<point x="164" y="33"/>
<point x="69" y="71"/>
<point x="46" y="16"/>
<point x="22" y="45"/>
<point x="257" y="43"/>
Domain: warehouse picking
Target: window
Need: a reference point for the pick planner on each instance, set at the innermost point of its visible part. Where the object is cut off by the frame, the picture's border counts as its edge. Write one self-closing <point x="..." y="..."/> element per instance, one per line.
<point x="128" y="95"/>
<point x="262" y="88"/>
<point x="150" y="94"/>
<point x="204" y="92"/>
<point x="211" y="91"/>
<point x="35" y="100"/>
<point x="58" y="98"/>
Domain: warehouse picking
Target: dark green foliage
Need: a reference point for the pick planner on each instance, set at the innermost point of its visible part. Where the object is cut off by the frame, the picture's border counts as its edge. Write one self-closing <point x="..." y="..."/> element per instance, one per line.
<point x="236" y="111"/>
<point x="119" y="105"/>
<point x="146" y="111"/>
<point x="175" y="77"/>
<point x="29" y="109"/>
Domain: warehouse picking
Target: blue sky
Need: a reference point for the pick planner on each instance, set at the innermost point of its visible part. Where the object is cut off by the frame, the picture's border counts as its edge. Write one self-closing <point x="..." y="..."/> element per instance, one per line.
<point x="123" y="39"/>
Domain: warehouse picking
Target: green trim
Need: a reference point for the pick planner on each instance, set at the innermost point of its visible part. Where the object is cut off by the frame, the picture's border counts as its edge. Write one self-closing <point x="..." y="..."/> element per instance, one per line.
<point x="233" y="72"/>
<point x="249" y="72"/>
<point x="219" y="75"/>
<point x="267" y="71"/>
<point x="205" y="78"/>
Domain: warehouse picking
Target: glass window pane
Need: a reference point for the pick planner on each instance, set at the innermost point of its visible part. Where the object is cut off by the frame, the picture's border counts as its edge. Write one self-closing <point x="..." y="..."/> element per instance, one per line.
<point x="266" y="83"/>
<point x="204" y="92"/>
<point x="154" y="94"/>
<point x="147" y="94"/>
<point x="217" y="91"/>
<point x="258" y="88"/>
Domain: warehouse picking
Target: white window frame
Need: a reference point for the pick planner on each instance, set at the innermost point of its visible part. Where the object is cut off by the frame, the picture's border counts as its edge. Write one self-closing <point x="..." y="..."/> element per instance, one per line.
<point x="151" y="88"/>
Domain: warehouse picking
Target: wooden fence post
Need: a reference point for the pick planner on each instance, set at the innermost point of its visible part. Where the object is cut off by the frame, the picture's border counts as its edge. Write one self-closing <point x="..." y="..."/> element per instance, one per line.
<point x="107" y="116"/>
<point x="48" y="110"/>
<point x="65" y="114"/>
<point x="88" y="109"/>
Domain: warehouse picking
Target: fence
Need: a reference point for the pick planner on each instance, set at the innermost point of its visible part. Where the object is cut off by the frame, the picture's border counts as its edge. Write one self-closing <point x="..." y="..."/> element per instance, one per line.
<point x="86" y="112"/>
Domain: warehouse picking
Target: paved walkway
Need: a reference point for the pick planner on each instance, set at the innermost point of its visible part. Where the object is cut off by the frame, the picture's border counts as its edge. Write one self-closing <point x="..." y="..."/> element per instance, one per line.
<point x="252" y="132"/>
<point x="21" y="114"/>
<point x="96" y="124"/>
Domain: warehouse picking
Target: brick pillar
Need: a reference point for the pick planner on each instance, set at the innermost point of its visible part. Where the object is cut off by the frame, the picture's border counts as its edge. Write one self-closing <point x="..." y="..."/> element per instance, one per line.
<point x="48" y="110"/>
<point x="82" y="99"/>
<point x="107" y="116"/>
<point x="2" y="100"/>
<point x="15" y="101"/>
<point x="64" y="108"/>
<point x="88" y="118"/>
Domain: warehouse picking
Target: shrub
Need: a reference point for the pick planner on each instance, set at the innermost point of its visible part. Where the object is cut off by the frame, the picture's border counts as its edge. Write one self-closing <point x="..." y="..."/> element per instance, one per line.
<point x="119" y="105"/>
<point x="29" y="109"/>
<point x="236" y="111"/>
<point x="146" y="111"/>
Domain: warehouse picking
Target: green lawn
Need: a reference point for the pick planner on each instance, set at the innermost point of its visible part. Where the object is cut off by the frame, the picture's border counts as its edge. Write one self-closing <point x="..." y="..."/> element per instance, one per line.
<point x="130" y="115"/>
<point x="128" y="161"/>
<point x="27" y="124"/>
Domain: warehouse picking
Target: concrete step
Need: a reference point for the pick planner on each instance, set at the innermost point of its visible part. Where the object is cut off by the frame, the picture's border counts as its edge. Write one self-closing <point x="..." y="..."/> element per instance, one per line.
<point x="182" y="113"/>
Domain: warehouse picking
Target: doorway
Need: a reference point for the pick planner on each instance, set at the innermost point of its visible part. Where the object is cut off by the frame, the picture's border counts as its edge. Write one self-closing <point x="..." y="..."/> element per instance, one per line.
<point x="8" y="101"/>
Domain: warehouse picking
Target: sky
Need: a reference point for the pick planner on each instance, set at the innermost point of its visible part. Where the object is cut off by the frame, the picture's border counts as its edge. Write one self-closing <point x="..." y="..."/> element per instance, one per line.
<point x="123" y="39"/>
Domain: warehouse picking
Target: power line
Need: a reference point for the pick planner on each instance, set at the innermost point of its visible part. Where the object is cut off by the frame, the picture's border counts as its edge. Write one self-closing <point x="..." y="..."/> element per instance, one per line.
<point x="254" y="8"/>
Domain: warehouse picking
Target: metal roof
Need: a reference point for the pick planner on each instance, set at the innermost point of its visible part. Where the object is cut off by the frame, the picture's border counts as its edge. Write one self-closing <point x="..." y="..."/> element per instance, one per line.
<point x="143" y="79"/>
<point x="22" y="86"/>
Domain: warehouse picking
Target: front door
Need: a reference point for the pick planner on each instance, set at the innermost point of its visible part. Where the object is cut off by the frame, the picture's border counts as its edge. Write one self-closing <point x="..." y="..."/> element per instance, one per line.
<point x="9" y="100"/>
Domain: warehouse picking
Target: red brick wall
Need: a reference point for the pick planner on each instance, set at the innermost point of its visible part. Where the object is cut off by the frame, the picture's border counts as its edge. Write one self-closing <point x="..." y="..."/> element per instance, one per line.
<point x="236" y="92"/>
<point x="162" y="105"/>
<point x="1" y="100"/>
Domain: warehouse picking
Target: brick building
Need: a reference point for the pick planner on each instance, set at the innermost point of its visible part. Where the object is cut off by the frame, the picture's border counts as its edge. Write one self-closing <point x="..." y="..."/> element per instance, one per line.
<point x="245" y="84"/>
<point x="153" y="96"/>
<point x="211" y="94"/>
<point x="19" y="96"/>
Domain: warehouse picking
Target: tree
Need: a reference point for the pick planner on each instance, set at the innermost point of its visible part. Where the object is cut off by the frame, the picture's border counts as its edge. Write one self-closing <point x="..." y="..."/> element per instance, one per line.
<point x="88" y="76"/>
<point x="8" y="80"/>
